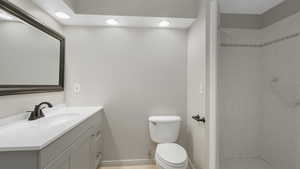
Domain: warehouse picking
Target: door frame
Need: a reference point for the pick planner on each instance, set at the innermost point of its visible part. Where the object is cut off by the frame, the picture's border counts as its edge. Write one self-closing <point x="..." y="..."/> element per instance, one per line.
<point x="213" y="53"/>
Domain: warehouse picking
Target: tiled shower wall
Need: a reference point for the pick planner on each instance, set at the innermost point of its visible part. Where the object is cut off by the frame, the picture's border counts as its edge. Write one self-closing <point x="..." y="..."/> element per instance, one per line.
<point x="260" y="93"/>
<point x="240" y="91"/>
<point x="281" y="82"/>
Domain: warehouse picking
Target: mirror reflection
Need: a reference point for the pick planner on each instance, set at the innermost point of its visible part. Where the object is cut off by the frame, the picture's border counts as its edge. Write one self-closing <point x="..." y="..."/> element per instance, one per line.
<point x="29" y="57"/>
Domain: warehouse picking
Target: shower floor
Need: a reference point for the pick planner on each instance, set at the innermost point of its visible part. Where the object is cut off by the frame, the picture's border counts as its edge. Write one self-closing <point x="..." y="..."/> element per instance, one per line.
<point x="246" y="163"/>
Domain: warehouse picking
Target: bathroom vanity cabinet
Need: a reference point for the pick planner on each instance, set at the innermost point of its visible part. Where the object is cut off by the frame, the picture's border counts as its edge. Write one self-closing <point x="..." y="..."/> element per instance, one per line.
<point x="79" y="148"/>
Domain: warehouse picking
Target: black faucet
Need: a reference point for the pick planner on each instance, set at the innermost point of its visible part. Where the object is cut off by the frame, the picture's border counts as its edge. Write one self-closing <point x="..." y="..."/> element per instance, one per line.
<point x="38" y="111"/>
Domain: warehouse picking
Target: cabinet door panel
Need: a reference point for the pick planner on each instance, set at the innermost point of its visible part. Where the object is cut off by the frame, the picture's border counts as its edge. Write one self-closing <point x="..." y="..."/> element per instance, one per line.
<point x="65" y="166"/>
<point x="63" y="143"/>
<point x="82" y="152"/>
<point x="63" y="162"/>
<point x="81" y="157"/>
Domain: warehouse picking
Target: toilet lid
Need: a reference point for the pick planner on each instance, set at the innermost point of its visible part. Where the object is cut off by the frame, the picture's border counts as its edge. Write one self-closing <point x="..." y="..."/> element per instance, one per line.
<point x="172" y="153"/>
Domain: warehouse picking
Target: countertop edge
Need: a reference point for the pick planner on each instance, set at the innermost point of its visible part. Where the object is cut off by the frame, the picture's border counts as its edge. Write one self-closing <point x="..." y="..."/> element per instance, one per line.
<point x="40" y="147"/>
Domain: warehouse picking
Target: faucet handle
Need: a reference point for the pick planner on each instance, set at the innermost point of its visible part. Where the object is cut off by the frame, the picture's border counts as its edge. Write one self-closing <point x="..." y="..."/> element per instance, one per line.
<point x="29" y="112"/>
<point x="32" y="115"/>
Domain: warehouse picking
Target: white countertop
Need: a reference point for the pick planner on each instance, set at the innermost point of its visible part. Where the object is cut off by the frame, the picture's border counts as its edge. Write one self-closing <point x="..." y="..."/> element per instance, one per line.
<point x="24" y="135"/>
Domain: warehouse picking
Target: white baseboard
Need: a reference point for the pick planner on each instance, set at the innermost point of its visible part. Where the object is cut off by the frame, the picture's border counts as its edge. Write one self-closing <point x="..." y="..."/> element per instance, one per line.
<point x="136" y="162"/>
<point x="127" y="162"/>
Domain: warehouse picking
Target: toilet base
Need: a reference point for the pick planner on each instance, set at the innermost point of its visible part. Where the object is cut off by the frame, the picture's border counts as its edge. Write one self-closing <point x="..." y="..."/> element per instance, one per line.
<point x="161" y="165"/>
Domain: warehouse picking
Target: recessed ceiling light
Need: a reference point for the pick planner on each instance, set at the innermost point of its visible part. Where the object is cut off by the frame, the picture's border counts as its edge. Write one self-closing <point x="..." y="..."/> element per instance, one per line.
<point x="112" y="22"/>
<point x="5" y="16"/>
<point x="164" y="24"/>
<point x="62" y="15"/>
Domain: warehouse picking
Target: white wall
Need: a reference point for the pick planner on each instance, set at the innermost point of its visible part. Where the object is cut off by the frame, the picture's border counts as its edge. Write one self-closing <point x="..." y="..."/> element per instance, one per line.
<point x="240" y="98"/>
<point x="10" y="105"/>
<point x="133" y="73"/>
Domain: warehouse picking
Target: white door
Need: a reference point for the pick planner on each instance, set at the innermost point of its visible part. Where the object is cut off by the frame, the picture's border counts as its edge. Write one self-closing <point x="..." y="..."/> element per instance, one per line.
<point x="201" y="87"/>
<point x="196" y="65"/>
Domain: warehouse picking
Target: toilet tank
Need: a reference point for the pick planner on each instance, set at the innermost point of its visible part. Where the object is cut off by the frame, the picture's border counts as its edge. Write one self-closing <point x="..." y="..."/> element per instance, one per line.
<point x="164" y="129"/>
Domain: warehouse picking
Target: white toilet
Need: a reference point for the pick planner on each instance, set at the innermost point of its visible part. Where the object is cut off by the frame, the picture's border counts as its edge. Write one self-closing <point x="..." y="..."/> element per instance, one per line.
<point x="164" y="130"/>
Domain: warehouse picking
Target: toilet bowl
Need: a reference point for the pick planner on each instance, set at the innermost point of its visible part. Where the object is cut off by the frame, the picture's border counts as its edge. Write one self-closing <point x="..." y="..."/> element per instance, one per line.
<point x="170" y="156"/>
<point x="164" y="130"/>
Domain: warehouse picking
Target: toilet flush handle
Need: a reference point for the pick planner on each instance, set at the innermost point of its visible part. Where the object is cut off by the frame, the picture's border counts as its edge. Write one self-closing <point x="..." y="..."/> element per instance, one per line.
<point x="154" y="123"/>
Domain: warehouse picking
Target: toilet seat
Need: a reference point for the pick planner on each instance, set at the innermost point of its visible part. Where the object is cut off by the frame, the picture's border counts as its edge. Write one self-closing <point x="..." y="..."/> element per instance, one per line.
<point x="171" y="155"/>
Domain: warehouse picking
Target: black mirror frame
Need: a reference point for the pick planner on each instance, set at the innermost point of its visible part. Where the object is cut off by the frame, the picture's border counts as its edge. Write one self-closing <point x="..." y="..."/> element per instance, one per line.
<point x="29" y="89"/>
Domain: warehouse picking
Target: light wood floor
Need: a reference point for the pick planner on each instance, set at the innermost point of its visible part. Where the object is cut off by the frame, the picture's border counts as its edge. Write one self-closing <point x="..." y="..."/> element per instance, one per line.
<point x="131" y="167"/>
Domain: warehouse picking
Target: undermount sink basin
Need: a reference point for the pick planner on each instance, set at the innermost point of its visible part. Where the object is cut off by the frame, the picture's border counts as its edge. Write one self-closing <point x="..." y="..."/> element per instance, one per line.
<point x="56" y="120"/>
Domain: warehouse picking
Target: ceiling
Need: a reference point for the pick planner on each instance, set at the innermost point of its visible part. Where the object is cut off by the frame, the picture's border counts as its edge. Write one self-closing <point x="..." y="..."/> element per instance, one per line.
<point x="150" y="8"/>
<point x="131" y="13"/>
<point x="145" y="13"/>
<point x="247" y="6"/>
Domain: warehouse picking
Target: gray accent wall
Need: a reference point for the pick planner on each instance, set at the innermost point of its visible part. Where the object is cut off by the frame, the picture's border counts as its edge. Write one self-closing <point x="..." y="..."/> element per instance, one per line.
<point x="281" y="11"/>
<point x="244" y="21"/>
<point x="250" y="21"/>
<point x="165" y="8"/>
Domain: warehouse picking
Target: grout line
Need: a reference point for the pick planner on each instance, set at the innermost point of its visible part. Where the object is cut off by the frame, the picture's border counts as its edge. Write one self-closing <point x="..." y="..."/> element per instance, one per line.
<point x="281" y="39"/>
<point x="268" y="163"/>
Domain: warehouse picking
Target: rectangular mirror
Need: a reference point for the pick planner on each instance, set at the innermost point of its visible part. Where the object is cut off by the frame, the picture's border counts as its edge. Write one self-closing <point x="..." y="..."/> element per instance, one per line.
<point x="32" y="55"/>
